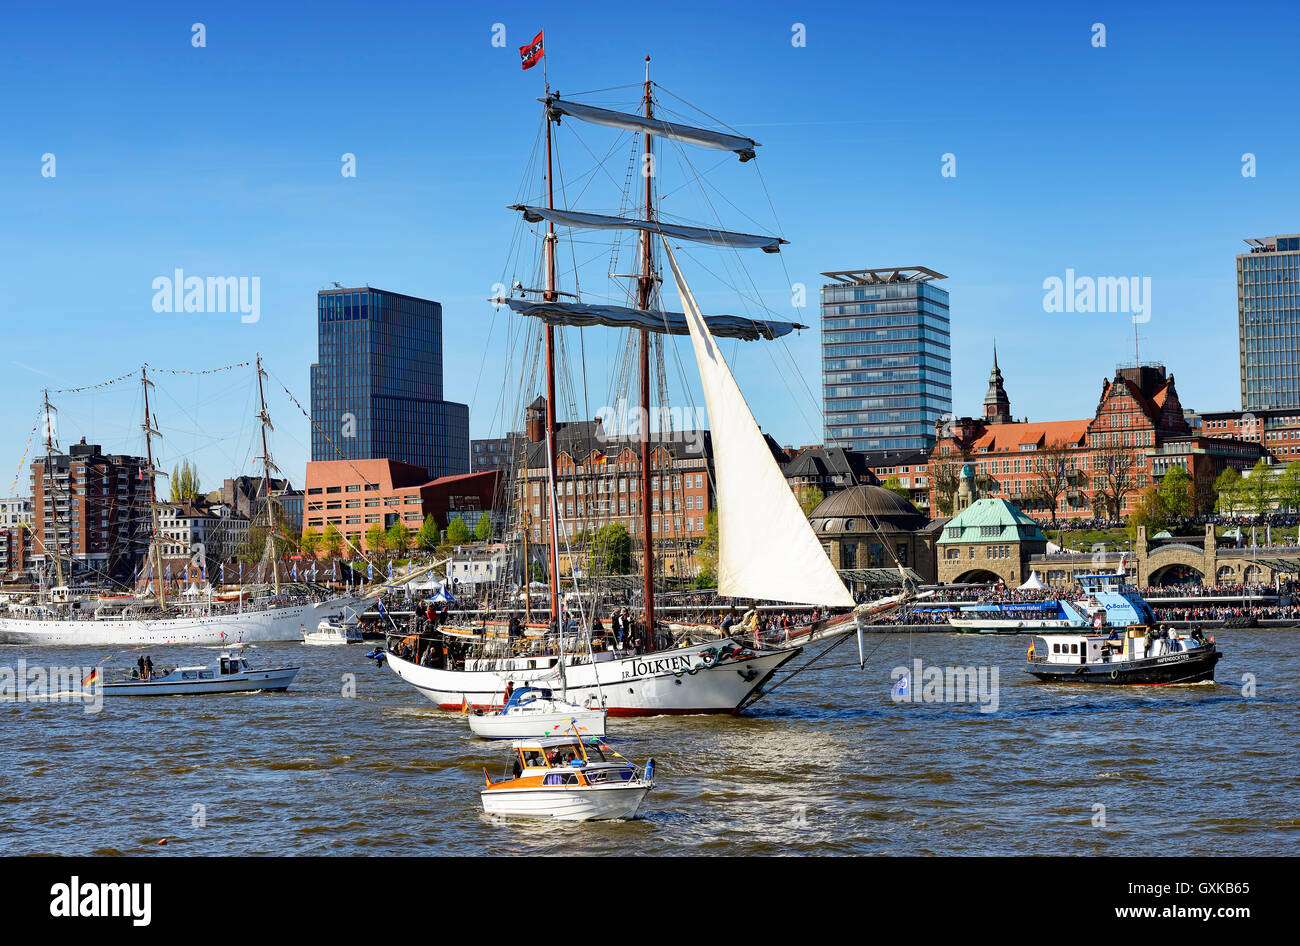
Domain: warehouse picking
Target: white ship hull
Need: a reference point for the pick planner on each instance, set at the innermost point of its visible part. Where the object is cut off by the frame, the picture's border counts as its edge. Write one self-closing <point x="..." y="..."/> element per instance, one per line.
<point x="537" y="725"/>
<point x="275" y="624"/>
<point x="565" y="803"/>
<point x="274" y="680"/>
<point x="704" y="678"/>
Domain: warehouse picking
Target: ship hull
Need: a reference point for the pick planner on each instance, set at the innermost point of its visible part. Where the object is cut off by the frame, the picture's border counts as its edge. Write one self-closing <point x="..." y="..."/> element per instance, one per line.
<point x="705" y="678"/>
<point x="1196" y="666"/>
<point x="276" y="624"/>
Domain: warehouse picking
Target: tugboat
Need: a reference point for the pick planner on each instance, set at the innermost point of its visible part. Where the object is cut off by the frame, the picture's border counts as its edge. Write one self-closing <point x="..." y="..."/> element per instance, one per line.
<point x="569" y="778"/>
<point x="1142" y="657"/>
<point x="535" y="712"/>
<point x="233" y="674"/>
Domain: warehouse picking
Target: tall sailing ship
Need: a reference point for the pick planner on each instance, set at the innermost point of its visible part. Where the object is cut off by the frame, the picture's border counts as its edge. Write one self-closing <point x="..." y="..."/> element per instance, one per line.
<point x="68" y="618"/>
<point x="766" y="547"/>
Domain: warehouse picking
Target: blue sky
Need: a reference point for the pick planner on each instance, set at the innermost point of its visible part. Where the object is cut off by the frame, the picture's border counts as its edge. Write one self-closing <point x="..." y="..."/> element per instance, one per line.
<point x="1116" y="161"/>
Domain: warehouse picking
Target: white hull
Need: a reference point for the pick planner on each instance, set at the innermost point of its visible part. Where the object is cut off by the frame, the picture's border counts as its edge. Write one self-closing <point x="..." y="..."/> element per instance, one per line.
<point x="666" y="682"/>
<point x="567" y="803"/>
<point x="1002" y="624"/>
<point x="276" y="624"/>
<point x="537" y="725"/>
<point x="278" y="678"/>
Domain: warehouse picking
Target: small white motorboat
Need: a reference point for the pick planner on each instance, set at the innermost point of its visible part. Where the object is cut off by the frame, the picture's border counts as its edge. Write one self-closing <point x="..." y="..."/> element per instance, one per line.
<point x="233" y="674"/>
<point x="533" y="713"/>
<point x="330" y="632"/>
<point x="569" y="779"/>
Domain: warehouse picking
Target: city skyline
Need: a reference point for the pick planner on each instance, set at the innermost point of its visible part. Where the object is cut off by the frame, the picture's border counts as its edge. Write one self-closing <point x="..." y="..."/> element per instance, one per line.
<point x="233" y="170"/>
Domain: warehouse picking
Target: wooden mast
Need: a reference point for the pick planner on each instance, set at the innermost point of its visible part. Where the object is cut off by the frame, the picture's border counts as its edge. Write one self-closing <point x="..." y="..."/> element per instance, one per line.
<point x="54" y="503"/>
<point x="266" y="480"/>
<point x="550" y="296"/>
<point x="645" y="292"/>
<point x="155" y="548"/>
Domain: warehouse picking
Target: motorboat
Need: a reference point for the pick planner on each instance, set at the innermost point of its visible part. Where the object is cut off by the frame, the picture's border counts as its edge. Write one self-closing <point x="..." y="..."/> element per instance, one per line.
<point x="232" y="674"/>
<point x="535" y="712"/>
<point x="568" y="778"/>
<point x="1143" y="656"/>
<point x="330" y="632"/>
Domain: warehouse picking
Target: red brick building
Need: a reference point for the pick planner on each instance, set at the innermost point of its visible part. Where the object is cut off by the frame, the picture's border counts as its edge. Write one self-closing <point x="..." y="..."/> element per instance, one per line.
<point x="1096" y="466"/>
<point x="355" y="495"/>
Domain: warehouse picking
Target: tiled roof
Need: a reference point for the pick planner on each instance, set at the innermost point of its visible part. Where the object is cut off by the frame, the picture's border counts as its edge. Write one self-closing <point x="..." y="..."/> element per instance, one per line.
<point x="1008" y="438"/>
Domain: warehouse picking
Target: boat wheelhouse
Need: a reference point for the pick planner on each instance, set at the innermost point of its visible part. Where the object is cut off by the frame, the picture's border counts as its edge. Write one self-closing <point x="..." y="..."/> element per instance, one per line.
<point x="1141" y="656"/>
<point x="568" y="778"/>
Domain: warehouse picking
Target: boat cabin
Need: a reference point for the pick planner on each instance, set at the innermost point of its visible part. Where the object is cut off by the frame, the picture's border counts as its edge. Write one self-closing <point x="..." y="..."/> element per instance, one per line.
<point x="232" y="663"/>
<point x="566" y="761"/>
<point x="1136" y="642"/>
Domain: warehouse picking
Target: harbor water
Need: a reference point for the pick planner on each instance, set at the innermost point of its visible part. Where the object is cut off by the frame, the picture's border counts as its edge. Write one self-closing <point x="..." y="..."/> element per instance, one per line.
<point x="353" y="761"/>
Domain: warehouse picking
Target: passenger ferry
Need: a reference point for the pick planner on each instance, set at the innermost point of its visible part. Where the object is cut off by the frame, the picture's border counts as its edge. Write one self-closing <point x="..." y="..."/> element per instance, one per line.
<point x="1142" y="656"/>
<point x="1105" y="600"/>
<point x="569" y="779"/>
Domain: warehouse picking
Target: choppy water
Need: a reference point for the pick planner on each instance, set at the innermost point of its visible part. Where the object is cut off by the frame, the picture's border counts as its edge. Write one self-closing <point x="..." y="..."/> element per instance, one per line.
<point x="831" y="765"/>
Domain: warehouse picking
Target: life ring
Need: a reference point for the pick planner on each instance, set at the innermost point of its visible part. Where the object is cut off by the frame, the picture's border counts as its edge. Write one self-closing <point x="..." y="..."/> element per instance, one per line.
<point x="1114" y="674"/>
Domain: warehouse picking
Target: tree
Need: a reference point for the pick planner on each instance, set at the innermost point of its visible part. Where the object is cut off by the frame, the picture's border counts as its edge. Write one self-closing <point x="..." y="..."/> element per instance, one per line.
<point x="1259" y="490"/>
<point x="611" y="550"/>
<point x="398" y="537"/>
<point x="1053" y="475"/>
<point x="457" y="532"/>
<point x="483" y="528"/>
<point x="429" y="535"/>
<point x="707" y="554"/>
<point x="332" y="541"/>
<point x="895" y="485"/>
<point x="1175" y="493"/>
<point x="184" y="483"/>
<point x="1288" y="487"/>
<point x="1150" y="512"/>
<point x="311" y="542"/>
<point x="1228" y="487"/>
<point x="376" y="538"/>
<point x="809" y="497"/>
<point x="946" y="481"/>
<point x="1113" y="479"/>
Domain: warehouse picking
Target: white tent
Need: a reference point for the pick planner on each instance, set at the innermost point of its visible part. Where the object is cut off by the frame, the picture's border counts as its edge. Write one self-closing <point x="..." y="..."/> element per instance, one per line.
<point x="1033" y="584"/>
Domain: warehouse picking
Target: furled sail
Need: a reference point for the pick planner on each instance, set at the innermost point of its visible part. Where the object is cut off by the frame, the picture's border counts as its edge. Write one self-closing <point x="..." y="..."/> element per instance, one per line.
<point x="668" y="323"/>
<point x="671" y="130"/>
<point x="589" y="221"/>
<point x="766" y="548"/>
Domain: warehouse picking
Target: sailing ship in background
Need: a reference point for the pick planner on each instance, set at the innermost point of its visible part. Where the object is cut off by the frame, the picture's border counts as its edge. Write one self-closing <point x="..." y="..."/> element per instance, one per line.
<point x="68" y="618"/>
<point x="774" y="556"/>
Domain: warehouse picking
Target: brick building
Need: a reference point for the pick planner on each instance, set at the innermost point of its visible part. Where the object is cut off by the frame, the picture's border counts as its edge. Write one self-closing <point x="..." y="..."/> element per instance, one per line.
<point x="99" y="504"/>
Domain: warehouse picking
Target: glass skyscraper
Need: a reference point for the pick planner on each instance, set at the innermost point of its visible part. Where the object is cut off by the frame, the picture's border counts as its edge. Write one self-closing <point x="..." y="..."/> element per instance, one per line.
<point x="376" y="390"/>
<point x="886" y="358"/>
<point x="1268" y="322"/>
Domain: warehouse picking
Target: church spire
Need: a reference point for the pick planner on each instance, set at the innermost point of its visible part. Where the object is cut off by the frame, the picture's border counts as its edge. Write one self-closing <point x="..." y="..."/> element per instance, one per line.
<point x="997" y="406"/>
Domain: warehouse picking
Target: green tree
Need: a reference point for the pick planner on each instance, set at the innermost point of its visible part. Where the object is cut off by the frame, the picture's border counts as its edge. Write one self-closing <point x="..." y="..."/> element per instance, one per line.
<point x="1288" y="487"/>
<point x="376" y="538"/>
<point x="809" y="497"/>
<point x="398" y="537"/>
<point x="1176" y="493"/>
<point x="429" y="536"/>
<point x="611" y="550"/>
<point x="483" y="528"/>
<point x="311" y="542"/>
<point x="184" y="483"/>
<point x="457" y="532"/>
<point x="706" y="556"/>
<point x="1228" y="487"/>
<point x="1150" y="512"/>
<point x="895" y="485"/>
<point x="1259" y="489"/>
<point x="332" y="541"/>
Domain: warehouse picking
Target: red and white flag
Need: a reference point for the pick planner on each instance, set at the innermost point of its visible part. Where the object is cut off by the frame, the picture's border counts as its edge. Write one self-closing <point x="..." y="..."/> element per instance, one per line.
<point x="534" y="51"/>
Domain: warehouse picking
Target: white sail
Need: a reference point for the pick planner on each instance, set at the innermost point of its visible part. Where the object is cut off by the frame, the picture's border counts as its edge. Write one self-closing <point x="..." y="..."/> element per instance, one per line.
<point x="766" y="548"/>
